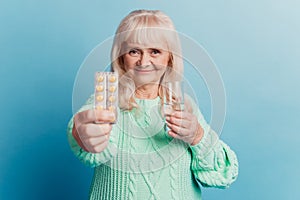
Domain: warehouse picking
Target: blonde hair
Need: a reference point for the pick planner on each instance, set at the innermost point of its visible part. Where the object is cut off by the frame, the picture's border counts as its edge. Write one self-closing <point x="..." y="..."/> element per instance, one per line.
<point x="146" y="27"/>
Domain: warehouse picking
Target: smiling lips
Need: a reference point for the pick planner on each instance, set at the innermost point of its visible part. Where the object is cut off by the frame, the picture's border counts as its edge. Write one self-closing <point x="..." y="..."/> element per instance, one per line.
<point x="144" y="70"/>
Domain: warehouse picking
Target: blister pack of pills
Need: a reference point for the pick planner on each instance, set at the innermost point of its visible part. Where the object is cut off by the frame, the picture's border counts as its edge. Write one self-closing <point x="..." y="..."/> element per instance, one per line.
<point x="106" y="92"/>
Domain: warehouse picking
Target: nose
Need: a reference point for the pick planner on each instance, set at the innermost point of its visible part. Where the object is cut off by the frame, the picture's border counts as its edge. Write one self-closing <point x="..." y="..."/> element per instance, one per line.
<point x="145" y="60"/>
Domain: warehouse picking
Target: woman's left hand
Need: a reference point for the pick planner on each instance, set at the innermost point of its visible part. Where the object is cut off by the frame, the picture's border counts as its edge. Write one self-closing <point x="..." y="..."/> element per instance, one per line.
<point x="184" y="126"/>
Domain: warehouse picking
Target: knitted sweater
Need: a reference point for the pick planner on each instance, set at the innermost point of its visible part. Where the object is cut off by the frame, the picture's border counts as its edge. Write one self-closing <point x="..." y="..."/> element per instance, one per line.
<point x="142" y="161"/>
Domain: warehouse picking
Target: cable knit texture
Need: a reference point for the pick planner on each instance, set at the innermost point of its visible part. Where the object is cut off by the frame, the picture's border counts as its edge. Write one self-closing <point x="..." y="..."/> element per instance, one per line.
<point x="143" y="162"/>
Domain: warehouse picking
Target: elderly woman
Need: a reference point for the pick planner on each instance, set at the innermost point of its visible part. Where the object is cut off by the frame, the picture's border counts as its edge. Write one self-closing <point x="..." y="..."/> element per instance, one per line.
<point x="145" y="155"/>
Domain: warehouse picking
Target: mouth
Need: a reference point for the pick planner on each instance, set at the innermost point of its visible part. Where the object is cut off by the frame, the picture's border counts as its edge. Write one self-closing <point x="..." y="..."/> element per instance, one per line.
<point x="144" y="70"/>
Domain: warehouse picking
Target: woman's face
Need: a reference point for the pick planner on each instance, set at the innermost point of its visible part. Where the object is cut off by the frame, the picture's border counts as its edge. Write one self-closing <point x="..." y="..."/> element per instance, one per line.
<point x="146" y="64"/>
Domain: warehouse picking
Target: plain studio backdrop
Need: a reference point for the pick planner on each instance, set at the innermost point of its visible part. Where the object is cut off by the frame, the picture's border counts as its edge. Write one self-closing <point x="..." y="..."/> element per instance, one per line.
<point x="255" y="45"/>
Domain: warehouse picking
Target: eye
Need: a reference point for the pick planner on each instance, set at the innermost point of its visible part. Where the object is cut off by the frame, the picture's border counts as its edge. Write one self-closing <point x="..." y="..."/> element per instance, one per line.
<point x="134" y="52"/>
<point x="155" y="52"/>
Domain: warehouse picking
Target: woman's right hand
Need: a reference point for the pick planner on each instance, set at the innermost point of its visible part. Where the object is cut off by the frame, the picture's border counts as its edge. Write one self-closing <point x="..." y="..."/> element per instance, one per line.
<point x="90" y="136"/>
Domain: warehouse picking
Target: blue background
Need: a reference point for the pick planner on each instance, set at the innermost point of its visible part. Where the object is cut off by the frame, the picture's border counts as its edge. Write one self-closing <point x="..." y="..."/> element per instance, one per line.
<point x="255" y="45"/>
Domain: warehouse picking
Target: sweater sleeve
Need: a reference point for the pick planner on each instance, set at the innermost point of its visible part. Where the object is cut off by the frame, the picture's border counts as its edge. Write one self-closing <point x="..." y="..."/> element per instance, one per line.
<point x="91" y="159"/>
<point x="214" y="164"/>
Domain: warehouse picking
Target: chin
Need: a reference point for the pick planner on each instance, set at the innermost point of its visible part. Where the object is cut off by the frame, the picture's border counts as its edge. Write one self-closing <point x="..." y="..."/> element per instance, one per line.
<point x="144" y="81"/>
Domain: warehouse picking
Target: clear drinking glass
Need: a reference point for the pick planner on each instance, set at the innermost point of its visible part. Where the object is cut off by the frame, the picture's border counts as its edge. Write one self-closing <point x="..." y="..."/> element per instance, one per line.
<point x="173" y="97"/>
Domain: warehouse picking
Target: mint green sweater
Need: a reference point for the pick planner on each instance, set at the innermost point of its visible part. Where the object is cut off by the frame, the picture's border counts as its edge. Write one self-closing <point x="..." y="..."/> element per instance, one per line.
<point x="143" y="162"/>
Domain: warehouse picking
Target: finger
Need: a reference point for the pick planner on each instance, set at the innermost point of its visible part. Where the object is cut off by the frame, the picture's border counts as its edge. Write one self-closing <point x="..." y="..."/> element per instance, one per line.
<point x="183" y="138"/>
<point x="105" y="116"/>
<point x="93" y="130"/>
<point x="178" y="121"/>
<point x="173" y="134"/>
<point x="177" y="129"/>
<point x="77" y="138"/>
<point x="98" y="148"/>
<point x="95" y="141"/>
<point x="87" y="116"/>
<point x="92" y="115"/>
<point x="181" y="115"/>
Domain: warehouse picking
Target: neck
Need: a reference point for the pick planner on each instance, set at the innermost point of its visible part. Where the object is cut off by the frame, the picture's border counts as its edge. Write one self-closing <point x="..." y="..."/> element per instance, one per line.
<point x="147" y="92"/>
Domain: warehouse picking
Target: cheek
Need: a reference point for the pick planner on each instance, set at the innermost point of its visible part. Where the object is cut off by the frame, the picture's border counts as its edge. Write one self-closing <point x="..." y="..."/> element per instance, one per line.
<point x="165" y="59"/>
<point x="163" y="62"/>
<point x="128" y="62"/>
